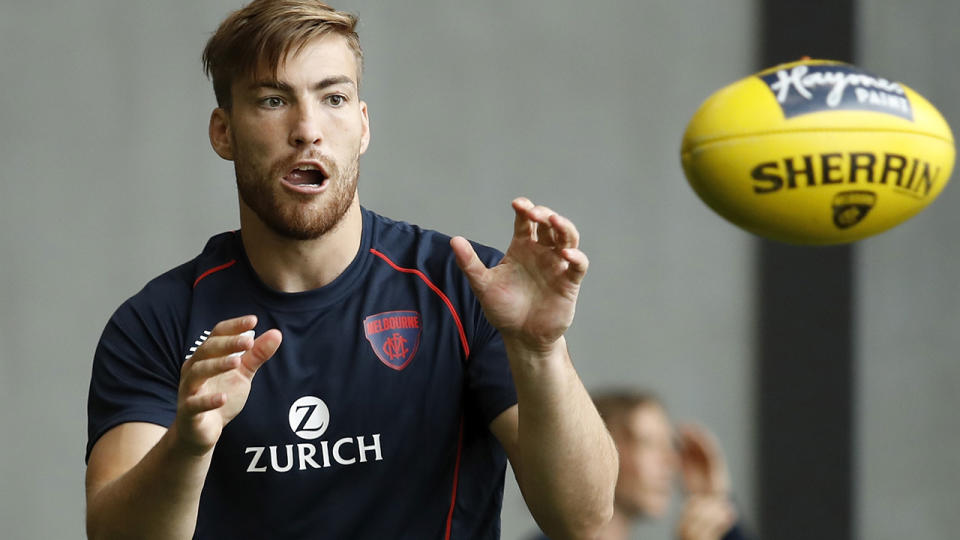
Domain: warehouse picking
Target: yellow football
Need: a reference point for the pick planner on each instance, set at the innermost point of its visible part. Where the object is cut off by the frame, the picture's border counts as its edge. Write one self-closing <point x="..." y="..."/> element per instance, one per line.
<point x="817" y="152"/>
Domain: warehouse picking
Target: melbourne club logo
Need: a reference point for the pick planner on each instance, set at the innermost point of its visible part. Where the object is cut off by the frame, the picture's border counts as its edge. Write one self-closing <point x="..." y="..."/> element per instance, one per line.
<point x="394" y="336"/>
<point x="309" y="417"/>
<point x="813" y="88"/>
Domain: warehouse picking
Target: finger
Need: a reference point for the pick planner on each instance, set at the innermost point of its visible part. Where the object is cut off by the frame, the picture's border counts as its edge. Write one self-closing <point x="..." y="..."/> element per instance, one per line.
<point x="523" y="227"/>
<point x="546" y="235"/>
<point x="695" y="449"/>
<point x="529" y="218"/>
<point x="199" y="372"/>
<point x="541" y="215"/>
<point x="565" y="232"/>
<point x="224" y="345"/>
<point x="263" y="349"/>
<point x="468" y="261"/>
<point x="215" y="344"/>
<point x="577" y="268"/>
<point x="701" y="454"/>
<point x="697" y="439"/>
<point x="218" y="354"/>
<point x="234" y="326"/>
<point x="195" y="405"/>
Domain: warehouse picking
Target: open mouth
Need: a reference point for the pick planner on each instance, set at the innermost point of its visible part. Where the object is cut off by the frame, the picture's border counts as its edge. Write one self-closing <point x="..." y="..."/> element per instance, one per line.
<point x="306" y="176"/>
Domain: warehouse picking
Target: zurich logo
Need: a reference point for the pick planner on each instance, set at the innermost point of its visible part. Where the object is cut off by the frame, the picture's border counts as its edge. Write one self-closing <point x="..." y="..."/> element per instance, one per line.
<point x="309" y="417"/>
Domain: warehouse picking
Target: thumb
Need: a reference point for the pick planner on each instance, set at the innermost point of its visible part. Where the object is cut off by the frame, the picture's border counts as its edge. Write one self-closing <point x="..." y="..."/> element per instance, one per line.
<point x="468" y="261"/>
<point x="263" y="349"/>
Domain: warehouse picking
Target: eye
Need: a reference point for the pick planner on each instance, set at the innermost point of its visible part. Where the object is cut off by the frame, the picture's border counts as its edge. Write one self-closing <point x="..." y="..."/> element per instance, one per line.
<point x="336" y="100"/>
<point x="271" y="102"/>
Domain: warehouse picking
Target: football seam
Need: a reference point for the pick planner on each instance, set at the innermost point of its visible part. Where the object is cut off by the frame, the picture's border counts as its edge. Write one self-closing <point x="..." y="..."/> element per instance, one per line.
<point x="819" y="130"/>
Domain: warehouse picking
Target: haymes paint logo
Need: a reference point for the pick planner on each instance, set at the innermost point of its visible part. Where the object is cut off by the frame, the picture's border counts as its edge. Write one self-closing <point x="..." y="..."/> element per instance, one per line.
<point x="813" y="88"/>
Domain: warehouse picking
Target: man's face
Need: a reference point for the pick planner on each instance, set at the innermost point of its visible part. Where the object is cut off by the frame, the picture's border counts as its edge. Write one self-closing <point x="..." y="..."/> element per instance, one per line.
<point x="648" y="462"/>
<point x="296" y="140"/>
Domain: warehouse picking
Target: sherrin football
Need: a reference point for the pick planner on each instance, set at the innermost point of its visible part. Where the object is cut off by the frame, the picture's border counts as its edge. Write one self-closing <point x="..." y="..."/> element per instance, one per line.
<point x="817" y="152"/>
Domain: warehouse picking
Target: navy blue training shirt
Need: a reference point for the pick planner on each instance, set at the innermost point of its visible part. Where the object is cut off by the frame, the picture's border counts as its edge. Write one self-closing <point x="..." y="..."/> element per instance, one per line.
<point x="370" y="421"/>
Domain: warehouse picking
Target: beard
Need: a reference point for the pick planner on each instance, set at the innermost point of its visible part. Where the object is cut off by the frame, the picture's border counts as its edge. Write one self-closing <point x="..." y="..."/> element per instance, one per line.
<point x="292" y="215"/>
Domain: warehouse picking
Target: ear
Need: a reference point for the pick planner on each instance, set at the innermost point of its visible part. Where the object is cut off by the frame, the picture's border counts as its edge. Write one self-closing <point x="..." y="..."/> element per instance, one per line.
<point x="365" y="135"/>
<point x="221" y="138"/>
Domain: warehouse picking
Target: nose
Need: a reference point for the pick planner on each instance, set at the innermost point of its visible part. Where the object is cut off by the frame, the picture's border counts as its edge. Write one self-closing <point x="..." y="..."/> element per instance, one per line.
<point x="305" y="130"/>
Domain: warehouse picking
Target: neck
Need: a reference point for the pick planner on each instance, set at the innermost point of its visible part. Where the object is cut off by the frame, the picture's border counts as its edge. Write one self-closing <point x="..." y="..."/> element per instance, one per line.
<point x="290" y="265"/>
<point x="618" y="528"/>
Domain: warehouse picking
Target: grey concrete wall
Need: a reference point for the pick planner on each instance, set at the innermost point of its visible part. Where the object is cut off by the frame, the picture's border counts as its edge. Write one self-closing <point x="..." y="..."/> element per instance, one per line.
<point x="909" y="306"/>
<point x="108" y="179"/>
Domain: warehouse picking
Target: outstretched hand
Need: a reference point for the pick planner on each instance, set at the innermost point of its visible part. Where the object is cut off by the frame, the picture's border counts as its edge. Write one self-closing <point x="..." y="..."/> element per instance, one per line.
<point x="215" y="380"/>
<point x="531" y="295"/>
<point x="702" y="464"/>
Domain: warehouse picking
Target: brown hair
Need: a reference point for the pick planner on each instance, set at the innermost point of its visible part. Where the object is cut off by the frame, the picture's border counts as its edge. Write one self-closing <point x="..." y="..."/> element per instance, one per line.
<point x="260" y="35"/>
<point x="615" y="404"/>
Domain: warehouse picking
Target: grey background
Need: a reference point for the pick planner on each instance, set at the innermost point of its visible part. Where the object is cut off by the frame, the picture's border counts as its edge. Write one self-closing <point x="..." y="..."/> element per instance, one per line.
<point x="909" y="307"/>
<point x="108" y="179"/>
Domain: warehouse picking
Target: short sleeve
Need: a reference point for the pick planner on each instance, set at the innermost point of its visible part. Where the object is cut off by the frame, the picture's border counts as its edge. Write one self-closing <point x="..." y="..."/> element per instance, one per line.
<point x="489" y="381"/>
<point x="136" y="369"/>
<point x="490" y="384"/>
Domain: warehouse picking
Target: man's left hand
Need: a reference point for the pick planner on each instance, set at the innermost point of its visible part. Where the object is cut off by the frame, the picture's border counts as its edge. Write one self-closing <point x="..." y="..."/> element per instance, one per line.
<point x="531" y="295"/>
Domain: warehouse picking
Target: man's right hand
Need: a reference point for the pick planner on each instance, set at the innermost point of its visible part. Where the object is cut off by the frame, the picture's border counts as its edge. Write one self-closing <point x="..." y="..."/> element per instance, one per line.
<point x="144" y="480"/>
<point x="215" y="381"/>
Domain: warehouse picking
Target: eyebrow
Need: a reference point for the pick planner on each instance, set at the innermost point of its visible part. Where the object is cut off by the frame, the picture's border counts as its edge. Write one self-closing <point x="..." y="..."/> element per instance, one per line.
<point x="323" y="83"/>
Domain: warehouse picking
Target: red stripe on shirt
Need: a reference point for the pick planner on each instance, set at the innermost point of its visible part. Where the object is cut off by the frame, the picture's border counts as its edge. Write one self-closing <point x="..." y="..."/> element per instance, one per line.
<point x="215" y="269"/>
<point x="456" y="317"/>
<point x="456" y="476"/>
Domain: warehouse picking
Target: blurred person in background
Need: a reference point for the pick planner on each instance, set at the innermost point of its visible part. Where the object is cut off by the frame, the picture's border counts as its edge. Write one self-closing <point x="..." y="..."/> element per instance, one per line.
<point x="652" y="454"/>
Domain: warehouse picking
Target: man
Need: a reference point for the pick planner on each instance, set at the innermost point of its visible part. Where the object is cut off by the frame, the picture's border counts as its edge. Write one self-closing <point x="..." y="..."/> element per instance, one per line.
<point x="408" y="373"/>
